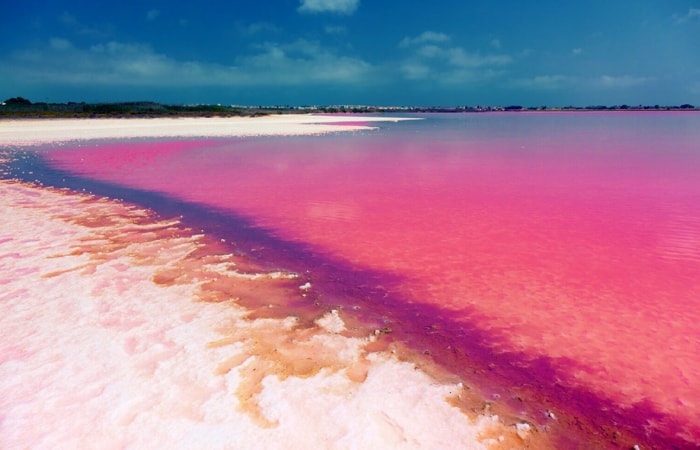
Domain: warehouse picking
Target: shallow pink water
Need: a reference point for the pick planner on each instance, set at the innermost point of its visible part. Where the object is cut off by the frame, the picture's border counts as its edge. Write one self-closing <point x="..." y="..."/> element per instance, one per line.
<point x="570" y="237"/>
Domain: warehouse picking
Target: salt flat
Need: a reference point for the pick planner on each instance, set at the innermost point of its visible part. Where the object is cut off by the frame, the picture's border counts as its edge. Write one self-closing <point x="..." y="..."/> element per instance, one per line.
<point x="35" y="131"/>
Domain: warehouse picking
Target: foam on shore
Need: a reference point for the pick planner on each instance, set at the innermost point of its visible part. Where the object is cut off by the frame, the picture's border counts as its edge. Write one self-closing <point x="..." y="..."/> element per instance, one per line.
<point x="124" y="330"/>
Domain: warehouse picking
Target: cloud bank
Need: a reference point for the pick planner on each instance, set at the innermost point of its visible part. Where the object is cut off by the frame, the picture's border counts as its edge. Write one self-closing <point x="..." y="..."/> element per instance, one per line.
<point x="431" y="55"/>
<point x="115" y="63"/>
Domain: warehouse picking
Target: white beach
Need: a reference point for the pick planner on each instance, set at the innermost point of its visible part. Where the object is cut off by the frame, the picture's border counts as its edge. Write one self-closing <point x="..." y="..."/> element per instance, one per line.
<point x="115" y="333"/>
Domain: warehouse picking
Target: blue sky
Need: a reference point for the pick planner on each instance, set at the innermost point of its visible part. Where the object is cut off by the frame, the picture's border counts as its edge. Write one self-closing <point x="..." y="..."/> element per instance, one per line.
<point x="380" y="52"/>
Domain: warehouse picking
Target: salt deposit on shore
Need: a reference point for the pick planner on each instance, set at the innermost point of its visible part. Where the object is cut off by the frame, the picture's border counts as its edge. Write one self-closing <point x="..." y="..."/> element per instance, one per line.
<point x="106" y="342"/>
<point x="35" y="131"/>
<point x="123" y="330"/>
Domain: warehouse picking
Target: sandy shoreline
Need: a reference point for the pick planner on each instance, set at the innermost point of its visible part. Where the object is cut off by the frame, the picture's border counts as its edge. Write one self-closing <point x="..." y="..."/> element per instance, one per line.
<point x="37" y="131"/>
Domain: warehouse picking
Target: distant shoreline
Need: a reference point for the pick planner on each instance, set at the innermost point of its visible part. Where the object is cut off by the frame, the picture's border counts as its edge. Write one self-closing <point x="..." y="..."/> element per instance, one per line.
<point x="19" y="108"/>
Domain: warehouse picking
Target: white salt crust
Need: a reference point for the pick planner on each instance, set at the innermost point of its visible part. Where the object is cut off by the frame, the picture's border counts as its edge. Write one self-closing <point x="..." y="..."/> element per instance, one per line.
<point x="95" y="354"/>
<point x="37" y="131"/>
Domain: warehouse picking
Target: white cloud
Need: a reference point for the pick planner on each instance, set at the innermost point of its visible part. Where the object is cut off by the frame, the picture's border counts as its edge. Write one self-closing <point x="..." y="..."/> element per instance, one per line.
<point x="152" y="14"/>
<point x="60" y="44"/>
<point x="496" y="43"/>
<point x="424" y="38"/>
<point x="257" y="28"/>
<point x="118" y="64"/>
<point x="332" y="6"/>
<point x="545" y="82"/>
<point x="460" y="58"/>
<point x="100" y="31"/>
<point x="431" y="51"/>
<point x="303" y="61"/>
<point x="550" y="82"/>
<point x="415" y="70"/>
<point x="577" y="51"/>
<point x="452" y="65"/>
<point x="331" y="29"/>
<point x="624" y="81"/>
<point x="431" y="56"/>
<point x="68" y="19"/>
<point x="693" y="13"/>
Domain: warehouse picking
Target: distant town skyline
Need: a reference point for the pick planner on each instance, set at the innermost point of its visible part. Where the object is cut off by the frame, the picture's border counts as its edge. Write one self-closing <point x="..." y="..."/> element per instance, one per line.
<point x="353" y="52"/>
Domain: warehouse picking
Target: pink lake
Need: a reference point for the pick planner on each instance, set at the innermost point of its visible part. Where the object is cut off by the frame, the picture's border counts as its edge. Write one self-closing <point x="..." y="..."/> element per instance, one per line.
<point x="554" y="258"/>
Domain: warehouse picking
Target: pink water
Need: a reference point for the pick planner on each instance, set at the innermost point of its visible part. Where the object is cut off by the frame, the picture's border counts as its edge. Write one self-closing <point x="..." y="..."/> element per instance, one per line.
<point x="568" y="243"/>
